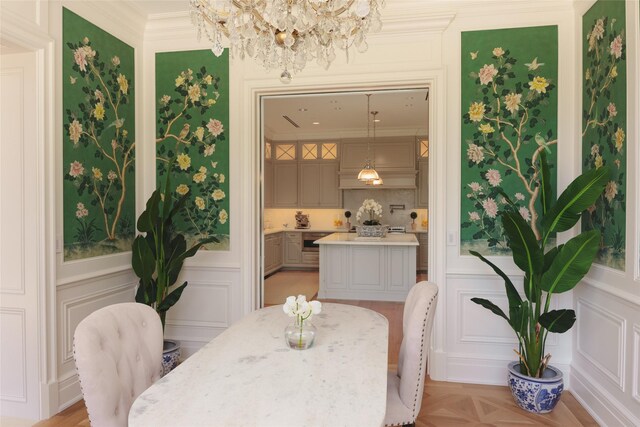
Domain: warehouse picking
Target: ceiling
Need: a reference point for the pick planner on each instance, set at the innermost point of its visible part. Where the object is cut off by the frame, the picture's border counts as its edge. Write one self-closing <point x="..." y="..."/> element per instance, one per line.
<point x="343" y="115"/>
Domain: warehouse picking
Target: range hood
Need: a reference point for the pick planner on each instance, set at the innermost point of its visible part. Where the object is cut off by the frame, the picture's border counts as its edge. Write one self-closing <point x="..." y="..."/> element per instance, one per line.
<point x="392" y="179"/>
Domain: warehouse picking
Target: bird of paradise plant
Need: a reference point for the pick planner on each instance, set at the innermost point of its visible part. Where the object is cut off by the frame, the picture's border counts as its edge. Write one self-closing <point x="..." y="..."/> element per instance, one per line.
<point x="546" y="271"/>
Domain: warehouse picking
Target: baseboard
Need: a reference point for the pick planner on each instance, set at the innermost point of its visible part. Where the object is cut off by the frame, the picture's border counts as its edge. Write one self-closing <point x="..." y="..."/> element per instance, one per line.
<point x="481" y="370"/>
<point x="600" y="404"/>
<point x="69" y="391"/>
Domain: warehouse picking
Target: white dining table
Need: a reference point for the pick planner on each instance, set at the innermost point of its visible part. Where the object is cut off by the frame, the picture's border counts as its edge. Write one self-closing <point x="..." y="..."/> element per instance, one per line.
<point x="247" y="376"/>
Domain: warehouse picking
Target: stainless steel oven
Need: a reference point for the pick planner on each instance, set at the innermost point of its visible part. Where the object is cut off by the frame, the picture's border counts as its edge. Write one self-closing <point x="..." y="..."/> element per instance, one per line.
<point x="307" y="241"/>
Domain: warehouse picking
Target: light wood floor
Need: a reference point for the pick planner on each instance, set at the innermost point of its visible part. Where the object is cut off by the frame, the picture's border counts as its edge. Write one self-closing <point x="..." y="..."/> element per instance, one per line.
<point x="443" y="404"/>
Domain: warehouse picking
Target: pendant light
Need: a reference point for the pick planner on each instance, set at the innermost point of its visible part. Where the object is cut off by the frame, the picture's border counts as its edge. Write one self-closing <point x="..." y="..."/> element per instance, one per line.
<point x="368" y="173"/>
<point x="375" y="181"/>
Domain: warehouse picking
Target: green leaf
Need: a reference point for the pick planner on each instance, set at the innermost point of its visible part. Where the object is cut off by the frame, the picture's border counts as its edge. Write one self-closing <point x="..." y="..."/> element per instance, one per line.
<point x="143" y="261"/>
<point x="491" y="306"/>
<point x="546" y="195"/>
<point x="512" y="293"/>
<point x="172" y="298"/>
<point x="578" y="196"/>
<point x="572" y="263"/>
<point x="526" y="253"/>
<point x="558" y="321"/>
<point x="519" y="318"/>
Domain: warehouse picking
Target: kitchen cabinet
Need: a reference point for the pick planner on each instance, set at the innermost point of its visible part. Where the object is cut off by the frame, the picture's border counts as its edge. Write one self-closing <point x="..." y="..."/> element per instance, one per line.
<point x="423" y="183"/>
<point x="272" y="252"/>
<point x="422" y="258"/>
<point x="268" y="184"/>
<point x="292" y="248"/>
<point x="319" y="185"/>
<point x="285" y="185"/>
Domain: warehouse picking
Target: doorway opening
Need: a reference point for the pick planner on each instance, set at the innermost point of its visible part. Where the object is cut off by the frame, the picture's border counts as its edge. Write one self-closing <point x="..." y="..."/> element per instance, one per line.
<point x="313" y="146"/>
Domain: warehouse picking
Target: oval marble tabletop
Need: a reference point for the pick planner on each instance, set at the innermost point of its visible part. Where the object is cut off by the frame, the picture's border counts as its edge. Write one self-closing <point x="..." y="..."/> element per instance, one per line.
<point x="247" y="376"/>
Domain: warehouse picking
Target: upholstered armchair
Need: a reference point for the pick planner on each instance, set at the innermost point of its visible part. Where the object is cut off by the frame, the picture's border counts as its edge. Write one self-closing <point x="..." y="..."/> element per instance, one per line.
<point x="405" y="387"/>
<point x="118" y="354"/>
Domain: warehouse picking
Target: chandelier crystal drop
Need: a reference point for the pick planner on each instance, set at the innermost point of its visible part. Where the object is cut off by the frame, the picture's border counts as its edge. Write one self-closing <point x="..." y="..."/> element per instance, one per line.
<point x="287" y="33"/>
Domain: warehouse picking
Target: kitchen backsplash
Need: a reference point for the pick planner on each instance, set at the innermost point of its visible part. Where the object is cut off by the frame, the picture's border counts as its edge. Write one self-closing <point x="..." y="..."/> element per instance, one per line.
<point x="324" y="218"/>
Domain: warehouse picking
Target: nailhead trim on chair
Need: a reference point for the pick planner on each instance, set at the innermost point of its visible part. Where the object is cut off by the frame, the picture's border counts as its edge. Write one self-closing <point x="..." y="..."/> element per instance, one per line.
<point x="79" y="380"/>
<point x="424" y="325"/>
<point x="415" y="400"/>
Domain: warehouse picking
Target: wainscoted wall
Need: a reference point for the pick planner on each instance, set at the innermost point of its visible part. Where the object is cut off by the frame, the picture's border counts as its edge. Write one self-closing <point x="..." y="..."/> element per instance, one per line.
<point x="419" y="46"/>
<point x="478" y="344"/>
<point x="605" y="368"/>
<point x="83" y="286"/>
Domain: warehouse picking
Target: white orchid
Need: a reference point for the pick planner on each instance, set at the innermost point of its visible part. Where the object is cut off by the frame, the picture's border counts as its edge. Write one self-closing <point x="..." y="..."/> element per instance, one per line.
<point x="372" y="209"/>
<point x="301" y="308"/>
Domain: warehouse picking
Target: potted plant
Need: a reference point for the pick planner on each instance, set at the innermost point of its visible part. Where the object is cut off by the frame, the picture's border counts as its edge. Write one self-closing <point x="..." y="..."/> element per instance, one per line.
<point x="158" y="257"/>
<point x="371" y="226"/>
<point x="536" y="386"/>
<point x="413" y="216"/>
<point x="347" y="215"/>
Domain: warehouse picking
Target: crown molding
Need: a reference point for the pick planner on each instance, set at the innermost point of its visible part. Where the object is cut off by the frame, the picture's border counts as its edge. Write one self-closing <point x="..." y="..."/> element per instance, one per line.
<point x="398" y="21"/>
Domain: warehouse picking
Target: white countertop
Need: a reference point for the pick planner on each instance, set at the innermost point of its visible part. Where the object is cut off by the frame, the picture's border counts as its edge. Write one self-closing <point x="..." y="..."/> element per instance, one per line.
<point x="408" y="239"/>
<point x="268" y="231"/>
<point x="247" y="376"/>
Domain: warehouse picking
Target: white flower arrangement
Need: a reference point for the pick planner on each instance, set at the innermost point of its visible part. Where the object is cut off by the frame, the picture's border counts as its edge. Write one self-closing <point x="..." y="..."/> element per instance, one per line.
<point x="372" y="209"/>
<point x="301" y="308"/>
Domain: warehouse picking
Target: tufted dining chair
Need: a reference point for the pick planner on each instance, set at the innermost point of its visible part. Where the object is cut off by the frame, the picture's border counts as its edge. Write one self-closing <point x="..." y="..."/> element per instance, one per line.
<point x="405" y="387"/>
<point x="118" y="355"/>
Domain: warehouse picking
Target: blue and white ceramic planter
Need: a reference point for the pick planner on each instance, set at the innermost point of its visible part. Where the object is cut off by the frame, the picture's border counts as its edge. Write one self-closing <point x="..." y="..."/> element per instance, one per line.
<point x="536" y="395"/>
<point x="170" y="355"/>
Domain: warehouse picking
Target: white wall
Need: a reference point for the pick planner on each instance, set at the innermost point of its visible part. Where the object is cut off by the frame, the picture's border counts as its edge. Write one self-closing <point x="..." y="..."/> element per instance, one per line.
<point x="605" y="369"/>
<point x="479" y="344"/>
<point x="414" y="50"/>
<point x="83" y="286"/>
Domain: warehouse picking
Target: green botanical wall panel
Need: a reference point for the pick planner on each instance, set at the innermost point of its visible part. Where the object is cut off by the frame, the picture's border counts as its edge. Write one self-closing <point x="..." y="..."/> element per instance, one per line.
<point x="98" y="140"/>
<point x="192" y="139"/>
<point x="604" y="126"/>
<point x="509" y="116"/>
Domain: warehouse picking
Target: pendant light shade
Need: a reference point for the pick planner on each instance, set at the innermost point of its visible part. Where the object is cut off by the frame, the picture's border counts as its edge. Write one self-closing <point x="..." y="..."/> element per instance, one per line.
<point x="368" y="173"/>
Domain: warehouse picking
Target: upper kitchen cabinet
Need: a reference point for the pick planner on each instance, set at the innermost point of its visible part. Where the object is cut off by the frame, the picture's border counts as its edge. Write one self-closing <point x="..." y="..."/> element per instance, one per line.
<point x="422" y="148"/>
<point x="393" y="157"/>
<point x="319" y="175"/>
<point x="285" y="175"/>
<point x="267" y="174"/>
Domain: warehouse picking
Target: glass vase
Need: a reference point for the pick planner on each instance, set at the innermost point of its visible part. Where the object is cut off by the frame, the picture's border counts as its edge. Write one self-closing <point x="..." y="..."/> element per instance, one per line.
<point x="300" y="335"/>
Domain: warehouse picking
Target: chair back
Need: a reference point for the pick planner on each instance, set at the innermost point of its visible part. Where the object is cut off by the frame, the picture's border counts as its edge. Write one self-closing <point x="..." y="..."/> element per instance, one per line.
<point x="417" y="322"/>
<point x="118" y="355"/>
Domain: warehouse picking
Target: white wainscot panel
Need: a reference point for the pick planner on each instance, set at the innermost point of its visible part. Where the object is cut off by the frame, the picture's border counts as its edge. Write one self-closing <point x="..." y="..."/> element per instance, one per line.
<point x="601" y="340"/>
<point x="636" y="363"/>
<point x="477" y="324"/>
<point x="13" y="384"/>
<point x="399" y="268"/>
<point x="209" y="304"/>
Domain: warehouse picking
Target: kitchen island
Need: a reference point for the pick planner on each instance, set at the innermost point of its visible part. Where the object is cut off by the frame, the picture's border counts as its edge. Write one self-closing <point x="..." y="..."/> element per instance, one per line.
<point x="358" y="268"/>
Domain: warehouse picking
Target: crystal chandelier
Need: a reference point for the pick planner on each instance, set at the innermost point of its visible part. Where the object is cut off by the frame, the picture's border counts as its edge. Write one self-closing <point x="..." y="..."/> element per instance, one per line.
<point x="368" y="173"/>
<point x="287" y="33"/>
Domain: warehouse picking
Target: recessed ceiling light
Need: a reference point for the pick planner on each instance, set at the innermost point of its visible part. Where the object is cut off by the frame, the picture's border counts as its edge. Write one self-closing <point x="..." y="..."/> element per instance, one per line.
<point x="376" y="120"/>
<point x="316" y="123"/>
<point x="302" y="110"/>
